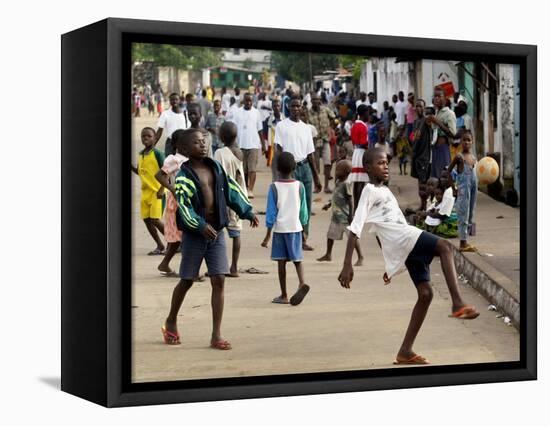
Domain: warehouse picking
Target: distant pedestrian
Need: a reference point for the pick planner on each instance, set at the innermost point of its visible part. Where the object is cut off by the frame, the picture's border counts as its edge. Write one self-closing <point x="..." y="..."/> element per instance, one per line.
<point x="359" y="138"/>
<point x="342" y="211"/>
<point x="403" y="147"/>
<point x="401" y="109"/>
<point x="250" y="139"/>
<point x="421" y="150"/>
<point x="444" y="126"/>
<point x="213" y="122"/>
<point x="466" y="198"/>
<point x="172" y="119"/>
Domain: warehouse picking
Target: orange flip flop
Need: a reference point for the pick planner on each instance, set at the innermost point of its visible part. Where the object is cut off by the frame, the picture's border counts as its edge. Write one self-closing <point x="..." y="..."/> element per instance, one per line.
<point x="466" y="312"/>
<point x="222" y="345"/>
<point x="414" y="360"/>
<point x="169" y="337"/>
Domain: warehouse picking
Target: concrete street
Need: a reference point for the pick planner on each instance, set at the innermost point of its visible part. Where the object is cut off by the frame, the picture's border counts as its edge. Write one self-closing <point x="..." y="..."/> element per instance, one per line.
<point x="332" y="330"/>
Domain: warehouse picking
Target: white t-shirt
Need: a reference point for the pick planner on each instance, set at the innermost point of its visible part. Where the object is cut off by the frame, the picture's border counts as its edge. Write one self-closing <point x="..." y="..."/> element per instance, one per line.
<point x="171" y="121"/>
<point x="447" y="203"/>
<point x="379" y="209"/>
<point x="401" y="112"/>
<point x="249" y="123"/>
<point x="288" y="207"/>
<point x="232" y="112"/>
<point x="226" y="101"/>
<point x="264" y="113"/>
<point x="294" y="137"/>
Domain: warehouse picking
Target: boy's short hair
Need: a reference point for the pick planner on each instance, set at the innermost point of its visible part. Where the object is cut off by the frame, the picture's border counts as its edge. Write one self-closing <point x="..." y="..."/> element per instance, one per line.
<point x="183" y="137"/>
<point x="286" y="163"/>
<point x="371" y="155"/>
<point x="228" y="132"/>
<point x="173" y="94"/>
<point x="362" y="109"/>
<point x="194" y="105"/>
<point x="149" y="128"/>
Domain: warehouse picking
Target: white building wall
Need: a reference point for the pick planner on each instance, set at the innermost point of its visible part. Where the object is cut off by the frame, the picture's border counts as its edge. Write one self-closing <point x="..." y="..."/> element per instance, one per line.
<point x="391" y="78"/>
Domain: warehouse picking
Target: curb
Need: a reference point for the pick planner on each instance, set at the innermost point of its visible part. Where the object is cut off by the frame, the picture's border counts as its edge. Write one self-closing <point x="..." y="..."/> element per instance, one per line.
<point x="493" y="285"/>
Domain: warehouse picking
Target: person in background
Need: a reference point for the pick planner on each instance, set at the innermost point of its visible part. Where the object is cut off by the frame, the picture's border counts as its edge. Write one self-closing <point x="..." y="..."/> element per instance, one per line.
<point x="421" y="151"/>
<point x="444" y="126"/>
<point x="172" y="119"/>
<point x="411" y="115"/>
<point x="401" y="109"/>
<point x="225" y="100"/>
<point x="322" y="118"/>
<point x="213" y="123"/>
<point x="205" y="104"/>
<point x="359" y="138"/>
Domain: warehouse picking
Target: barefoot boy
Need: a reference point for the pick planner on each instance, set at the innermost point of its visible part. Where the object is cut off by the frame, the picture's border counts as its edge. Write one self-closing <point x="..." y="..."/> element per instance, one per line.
<point x="286" y="215"/>
<point x="149" y="163"/>
<point x="342" y="211"/>
<point x="204" y="192"/>
<point x="402" y="246"/>
<point x="231" y="159"/>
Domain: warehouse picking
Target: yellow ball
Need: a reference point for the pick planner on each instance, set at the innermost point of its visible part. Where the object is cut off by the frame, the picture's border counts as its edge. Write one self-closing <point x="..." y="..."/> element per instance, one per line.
<point x="487" y="171"/>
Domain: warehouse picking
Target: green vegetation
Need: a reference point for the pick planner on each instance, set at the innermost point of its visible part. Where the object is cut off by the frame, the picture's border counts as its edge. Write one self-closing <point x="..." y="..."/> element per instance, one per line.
<point x="295" y="66"/>
<point x="183" y="57"/>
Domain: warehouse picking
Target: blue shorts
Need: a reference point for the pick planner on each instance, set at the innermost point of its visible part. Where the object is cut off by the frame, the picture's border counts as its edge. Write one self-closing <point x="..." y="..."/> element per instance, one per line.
<point x="287" y="246"/>
<point x="233" y="233"/>
<point x="195" y="248"/>
<point x="419" y="259"/>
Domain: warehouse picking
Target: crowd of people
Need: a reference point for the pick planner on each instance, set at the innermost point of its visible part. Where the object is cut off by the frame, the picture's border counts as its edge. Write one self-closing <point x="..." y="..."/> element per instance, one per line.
<point x="206" y="177"/>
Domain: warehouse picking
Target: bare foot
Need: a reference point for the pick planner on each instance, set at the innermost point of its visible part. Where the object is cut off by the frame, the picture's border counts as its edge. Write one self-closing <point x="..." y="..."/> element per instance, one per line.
<point x="221" y="344"/>
<point x="164" y="268"/>
<point x="264" y="243"/>
<point x="359" y="262"/>
<point x="306" y="247"/>
<point x="325" y="258"/>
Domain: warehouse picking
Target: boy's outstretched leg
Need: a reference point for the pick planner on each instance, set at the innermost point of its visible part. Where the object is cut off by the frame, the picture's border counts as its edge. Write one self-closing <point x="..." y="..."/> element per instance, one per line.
<point x="152" y="226"/>
<point x="217" y="341"/>
<point x="170" y="329"/>
<point x="328" y="255"/>
<point x="303" y="288"/>
<point x="283" y="298"/>
<point x="406" y="355"/>
<point x="459" y="309"/>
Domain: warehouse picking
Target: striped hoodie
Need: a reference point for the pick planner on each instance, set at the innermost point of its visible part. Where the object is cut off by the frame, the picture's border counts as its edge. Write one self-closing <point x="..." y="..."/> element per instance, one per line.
<point x="227" y="193"/>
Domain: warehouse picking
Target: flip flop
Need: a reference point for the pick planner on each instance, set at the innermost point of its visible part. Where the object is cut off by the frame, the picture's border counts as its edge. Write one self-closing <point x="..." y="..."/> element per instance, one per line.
<point x="414" y="360"/>
<point x="280" y="300"/>
<point x="156" y="252"/>
<point x="297" y="298"/>
<point x="466" y="312"/>
<point x="169" y="337"/>
<point x="307" y="247"/>
<point x="255" y="271"/>
<point x="467" y="249"/>
<point x="232" y="275"/>
<point x="169" y="274"/>
<point x="222" y="345"/>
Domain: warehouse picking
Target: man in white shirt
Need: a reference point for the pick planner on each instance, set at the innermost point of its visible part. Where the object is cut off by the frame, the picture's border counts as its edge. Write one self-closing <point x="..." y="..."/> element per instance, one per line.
<point x="403" y="246"/>
<point x="362" y="100"/>
<point x="372" y="102"/>
<point x="250" y="139"/>
<point x="294" y="136"/>
<point x="172" y="119"/>
<point x="226" y="97"/>
<point x="401" y="109"/>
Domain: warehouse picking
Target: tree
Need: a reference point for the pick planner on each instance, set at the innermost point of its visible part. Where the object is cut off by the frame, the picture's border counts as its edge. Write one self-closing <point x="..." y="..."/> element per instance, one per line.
<point x="186" y="57"/>
<point x="352" y="63"/>
<point x="295" y="66"/>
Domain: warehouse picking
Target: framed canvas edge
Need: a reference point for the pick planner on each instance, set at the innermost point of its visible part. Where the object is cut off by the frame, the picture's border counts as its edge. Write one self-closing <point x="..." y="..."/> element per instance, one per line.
<point x="118" y="395"/>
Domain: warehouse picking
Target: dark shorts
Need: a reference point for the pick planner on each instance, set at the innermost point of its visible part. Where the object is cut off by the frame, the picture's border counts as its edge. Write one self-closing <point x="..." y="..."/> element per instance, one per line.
<point x="195" y="248"/>
<point x="419" y="259"/>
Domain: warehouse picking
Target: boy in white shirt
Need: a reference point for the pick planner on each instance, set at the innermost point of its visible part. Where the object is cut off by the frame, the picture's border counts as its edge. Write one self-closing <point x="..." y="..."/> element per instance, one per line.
<point x="402" y="246"/>
<point x="286" y="214"/>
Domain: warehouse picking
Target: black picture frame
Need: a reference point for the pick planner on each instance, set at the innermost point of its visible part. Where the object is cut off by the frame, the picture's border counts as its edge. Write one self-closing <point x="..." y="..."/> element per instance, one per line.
<point x="96" y="270"/>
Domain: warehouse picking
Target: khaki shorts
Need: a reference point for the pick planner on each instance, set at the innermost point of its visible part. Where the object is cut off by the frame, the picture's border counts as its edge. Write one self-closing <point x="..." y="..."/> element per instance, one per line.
<point x="336" y="231"/>
<point x="250" y="159"/>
